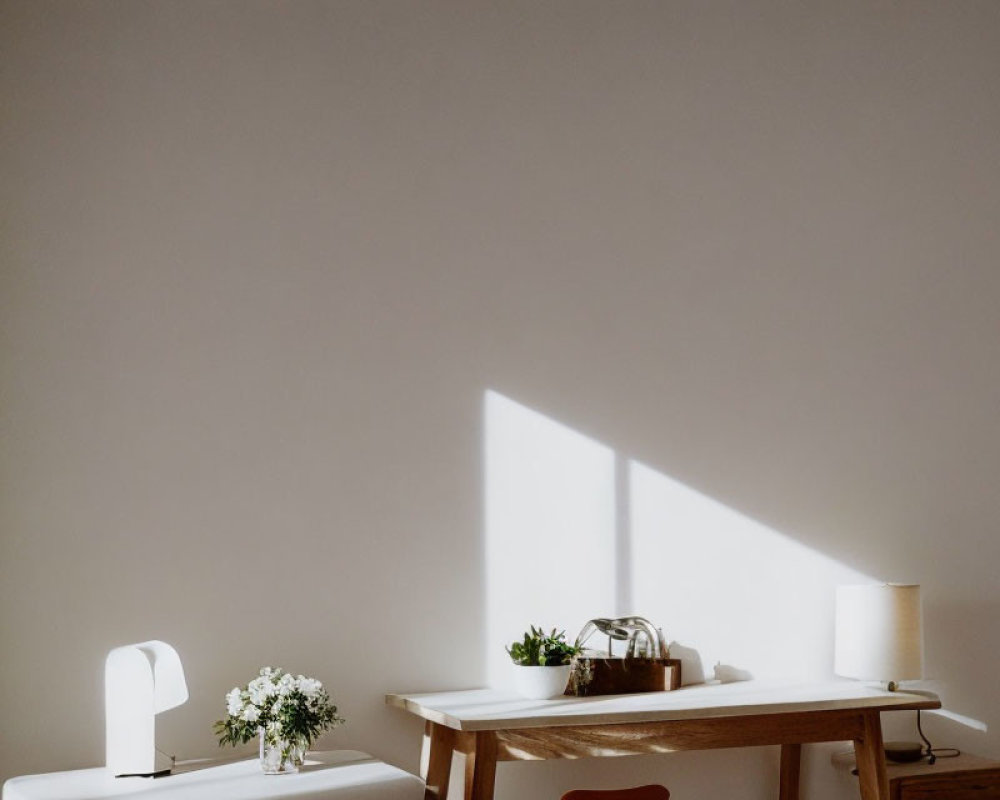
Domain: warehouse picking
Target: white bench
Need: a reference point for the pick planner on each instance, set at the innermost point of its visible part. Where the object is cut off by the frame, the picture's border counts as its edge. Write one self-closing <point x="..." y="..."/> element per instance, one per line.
<point x="330" y="775"/>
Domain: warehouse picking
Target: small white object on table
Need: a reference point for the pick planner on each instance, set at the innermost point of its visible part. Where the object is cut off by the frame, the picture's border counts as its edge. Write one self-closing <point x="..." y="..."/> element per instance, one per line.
<point x="331" y="775"/>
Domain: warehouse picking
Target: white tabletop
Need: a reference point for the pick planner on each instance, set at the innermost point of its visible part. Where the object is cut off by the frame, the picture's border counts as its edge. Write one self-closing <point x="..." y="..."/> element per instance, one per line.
<point x="489" y="709"/>
<point x="332" y="774"/>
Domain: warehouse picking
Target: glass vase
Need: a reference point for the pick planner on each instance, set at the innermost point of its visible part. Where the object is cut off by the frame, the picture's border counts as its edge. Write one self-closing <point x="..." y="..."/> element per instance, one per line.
<point x="277" y="755"/>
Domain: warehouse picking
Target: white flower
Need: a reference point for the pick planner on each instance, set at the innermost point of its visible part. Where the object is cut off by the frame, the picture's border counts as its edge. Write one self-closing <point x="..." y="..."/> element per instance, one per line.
<point x="234" y="702"/>
<point x="263" y="700"/>
<point x="261" y="689"/>
<point x="286" y="684"/>
<point x="310" y="687"/>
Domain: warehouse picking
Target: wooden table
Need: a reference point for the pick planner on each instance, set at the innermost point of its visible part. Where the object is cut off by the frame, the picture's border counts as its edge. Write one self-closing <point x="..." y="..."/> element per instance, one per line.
<point x="490" y="726"/>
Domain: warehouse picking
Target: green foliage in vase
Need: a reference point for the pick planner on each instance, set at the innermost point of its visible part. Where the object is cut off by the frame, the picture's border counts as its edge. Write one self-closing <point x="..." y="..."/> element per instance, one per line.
<point x="540" y="649"/>
<point x="294" y="709"/>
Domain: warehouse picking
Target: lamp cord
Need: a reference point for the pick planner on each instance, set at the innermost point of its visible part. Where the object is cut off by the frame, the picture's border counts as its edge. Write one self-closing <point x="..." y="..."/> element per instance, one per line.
<point x="930" y="752"/>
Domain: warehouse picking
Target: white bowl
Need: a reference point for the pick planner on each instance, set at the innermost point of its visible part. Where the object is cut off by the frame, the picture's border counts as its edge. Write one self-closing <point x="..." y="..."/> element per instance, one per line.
<point x="541" y="683"/>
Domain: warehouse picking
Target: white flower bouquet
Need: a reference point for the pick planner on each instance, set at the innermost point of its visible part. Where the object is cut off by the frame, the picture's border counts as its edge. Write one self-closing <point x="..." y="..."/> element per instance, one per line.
<point x="287" y="712"/>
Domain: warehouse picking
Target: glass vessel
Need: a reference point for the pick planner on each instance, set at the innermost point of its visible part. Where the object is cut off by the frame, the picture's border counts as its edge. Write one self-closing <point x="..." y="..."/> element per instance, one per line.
<point x="277" y="755"/>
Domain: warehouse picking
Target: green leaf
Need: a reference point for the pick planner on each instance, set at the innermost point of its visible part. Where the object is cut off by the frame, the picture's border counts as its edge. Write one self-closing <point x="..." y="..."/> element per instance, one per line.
<point x="540" y="649"/>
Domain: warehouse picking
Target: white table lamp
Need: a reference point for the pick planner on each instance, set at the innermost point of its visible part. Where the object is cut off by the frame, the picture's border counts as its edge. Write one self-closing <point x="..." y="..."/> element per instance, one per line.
<point x="879" y="633"/>
<point x="140" y="681"/>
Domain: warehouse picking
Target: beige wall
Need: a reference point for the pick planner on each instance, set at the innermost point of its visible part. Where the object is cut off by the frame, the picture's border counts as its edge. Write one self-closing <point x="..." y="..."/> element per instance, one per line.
<point x="259" y="264"/>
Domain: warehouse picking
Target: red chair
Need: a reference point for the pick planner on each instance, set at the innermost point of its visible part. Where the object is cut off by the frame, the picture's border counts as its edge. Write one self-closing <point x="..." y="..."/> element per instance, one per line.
<point x="652" y="791"/>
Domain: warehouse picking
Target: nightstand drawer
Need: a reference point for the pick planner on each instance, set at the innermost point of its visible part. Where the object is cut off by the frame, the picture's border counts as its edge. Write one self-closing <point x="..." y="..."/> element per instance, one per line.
<point x="979" y="784"/>
<point x="965" y="777"/>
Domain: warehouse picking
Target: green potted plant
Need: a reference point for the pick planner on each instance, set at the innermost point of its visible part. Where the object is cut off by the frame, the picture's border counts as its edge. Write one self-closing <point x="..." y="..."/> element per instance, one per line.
<point x="543" y="661"/>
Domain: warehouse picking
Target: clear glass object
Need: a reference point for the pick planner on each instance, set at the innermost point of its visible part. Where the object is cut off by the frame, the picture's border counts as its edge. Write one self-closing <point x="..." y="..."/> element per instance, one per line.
<point x="278" y="756"/>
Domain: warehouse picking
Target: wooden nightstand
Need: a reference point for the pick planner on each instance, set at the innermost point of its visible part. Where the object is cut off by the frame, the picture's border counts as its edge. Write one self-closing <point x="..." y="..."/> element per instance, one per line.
<point x="964" y="777"/>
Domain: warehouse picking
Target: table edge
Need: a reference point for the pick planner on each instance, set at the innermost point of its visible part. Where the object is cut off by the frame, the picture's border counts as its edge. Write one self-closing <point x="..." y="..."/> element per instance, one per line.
<point x="407" y="703"/>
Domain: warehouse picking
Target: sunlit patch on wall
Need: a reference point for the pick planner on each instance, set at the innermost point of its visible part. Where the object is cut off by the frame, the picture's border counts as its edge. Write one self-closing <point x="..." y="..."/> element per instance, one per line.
<point x="736" y="590"/>
<point x="575" y="530"/>
<point x="550" y="527"/>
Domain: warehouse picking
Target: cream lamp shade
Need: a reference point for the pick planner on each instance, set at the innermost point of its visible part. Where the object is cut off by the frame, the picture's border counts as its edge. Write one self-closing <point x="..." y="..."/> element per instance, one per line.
<point x="879" y="633"/>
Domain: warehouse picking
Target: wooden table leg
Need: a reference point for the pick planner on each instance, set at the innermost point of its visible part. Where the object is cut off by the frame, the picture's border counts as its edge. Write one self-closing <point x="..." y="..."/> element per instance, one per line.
<point x="791" y="758"/>
<point x="435" y="763"/>
<point x="870" y="755"/>
<point x="481" y="767"/>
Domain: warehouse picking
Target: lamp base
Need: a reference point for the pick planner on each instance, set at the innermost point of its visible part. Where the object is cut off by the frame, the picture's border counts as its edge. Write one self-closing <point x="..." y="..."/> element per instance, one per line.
<point x="903" y="752"/>
<point x="157" y="774"/>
